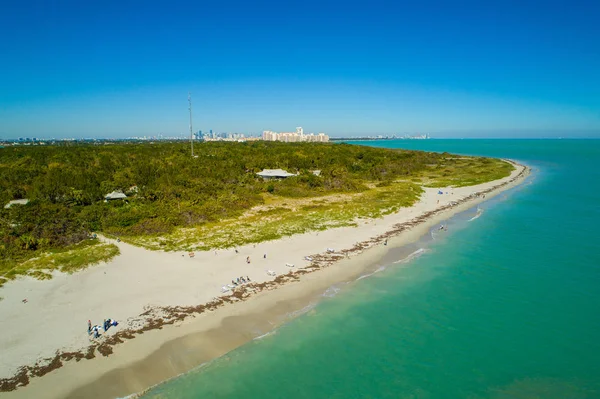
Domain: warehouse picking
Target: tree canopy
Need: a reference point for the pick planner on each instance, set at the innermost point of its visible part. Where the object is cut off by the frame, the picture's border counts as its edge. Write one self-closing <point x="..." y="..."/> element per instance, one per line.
<point x="167" y="188"/>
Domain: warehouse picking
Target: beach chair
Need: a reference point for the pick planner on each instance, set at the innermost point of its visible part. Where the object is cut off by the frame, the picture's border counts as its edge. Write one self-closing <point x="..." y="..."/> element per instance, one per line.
<point x="289" y="264"/>
<point x="271" y="273"/>
<point x="224" y="289"/>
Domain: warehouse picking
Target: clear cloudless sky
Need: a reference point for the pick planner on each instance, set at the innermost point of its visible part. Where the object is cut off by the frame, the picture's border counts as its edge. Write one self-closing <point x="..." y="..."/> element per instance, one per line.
<point x="448" y="68"/>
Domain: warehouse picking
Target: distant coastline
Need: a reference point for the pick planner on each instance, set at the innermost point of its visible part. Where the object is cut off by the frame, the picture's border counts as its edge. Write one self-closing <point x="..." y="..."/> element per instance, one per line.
<point x="377" y="138"/>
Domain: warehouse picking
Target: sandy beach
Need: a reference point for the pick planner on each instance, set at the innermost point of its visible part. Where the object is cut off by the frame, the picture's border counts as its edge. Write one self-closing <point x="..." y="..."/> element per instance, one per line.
<point x="168" y="302"/>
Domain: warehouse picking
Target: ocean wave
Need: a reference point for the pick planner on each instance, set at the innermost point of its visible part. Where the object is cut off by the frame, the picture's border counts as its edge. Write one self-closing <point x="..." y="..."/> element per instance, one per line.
<point x="477" y="215"/>
<point x="299" y="312"/>
<point x="379" y="269"/>
<point x="332" y="291"/>
<point x="412" y="256"/>
<point x="265" y="335"/>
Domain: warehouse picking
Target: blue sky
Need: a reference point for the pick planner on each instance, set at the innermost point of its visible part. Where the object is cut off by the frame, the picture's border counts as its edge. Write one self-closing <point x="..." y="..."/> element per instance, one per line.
<point x="450" y="68"/>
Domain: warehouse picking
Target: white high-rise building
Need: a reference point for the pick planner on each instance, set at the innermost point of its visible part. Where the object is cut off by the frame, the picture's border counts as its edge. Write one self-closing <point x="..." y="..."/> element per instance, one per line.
<point x="294" y="137"/>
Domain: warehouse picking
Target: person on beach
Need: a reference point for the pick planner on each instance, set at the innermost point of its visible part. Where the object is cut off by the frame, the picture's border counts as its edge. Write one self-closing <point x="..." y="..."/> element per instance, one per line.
<point x="89" y="327"/>
<point x="247" y="278"/>
<point x="247" y="259"/>
<point x="236" y="251"/>
<point x="385" y="242"/>
<point x="265" y="256"/>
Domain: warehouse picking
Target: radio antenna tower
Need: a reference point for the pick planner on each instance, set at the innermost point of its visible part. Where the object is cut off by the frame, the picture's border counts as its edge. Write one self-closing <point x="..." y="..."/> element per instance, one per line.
<point x="191" y="134"/>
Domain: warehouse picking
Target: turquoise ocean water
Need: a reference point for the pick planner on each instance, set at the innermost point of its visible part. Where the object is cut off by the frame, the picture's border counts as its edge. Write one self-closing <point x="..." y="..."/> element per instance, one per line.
<point x="504" y="305"/>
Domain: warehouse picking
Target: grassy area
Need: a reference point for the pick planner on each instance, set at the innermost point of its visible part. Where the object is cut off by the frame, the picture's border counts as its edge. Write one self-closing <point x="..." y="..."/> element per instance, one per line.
<point x="284" y="216"/>
<point x="465" y="171"/>
<point x="218" y="203"/>
<point x="281" y="217"/>
<point x="78" y="257"/>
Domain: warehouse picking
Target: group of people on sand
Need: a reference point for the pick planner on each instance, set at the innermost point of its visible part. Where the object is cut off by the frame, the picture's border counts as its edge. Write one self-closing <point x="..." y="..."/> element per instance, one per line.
<point x="95" y="330"/>
<point x="235" y="282"/>
<point x="240" y="280"/>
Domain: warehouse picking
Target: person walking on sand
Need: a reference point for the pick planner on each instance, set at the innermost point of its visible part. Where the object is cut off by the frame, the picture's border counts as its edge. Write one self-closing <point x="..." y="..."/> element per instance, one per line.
<point x="265" y="256"/>
<point x="89" y="327"/>
<point x="248" y="259"/>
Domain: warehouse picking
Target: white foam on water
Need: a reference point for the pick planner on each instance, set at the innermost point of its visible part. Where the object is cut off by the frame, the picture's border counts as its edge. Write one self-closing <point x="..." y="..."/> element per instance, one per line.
<point x="379" y="269"/>
<point x="332" y="291"/>
<point x="299" y="312"/>
<point x="265" y="335"/>
<point x="412" y="256"/>
<point x="477" y="215"/>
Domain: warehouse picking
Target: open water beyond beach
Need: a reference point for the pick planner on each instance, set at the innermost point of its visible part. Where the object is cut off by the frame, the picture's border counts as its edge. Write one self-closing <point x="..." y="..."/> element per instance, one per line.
<point x="505" y="304"/>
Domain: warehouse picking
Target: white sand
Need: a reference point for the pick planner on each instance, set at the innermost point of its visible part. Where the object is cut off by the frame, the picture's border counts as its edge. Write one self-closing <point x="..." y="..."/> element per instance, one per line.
<point x="56" y="314"/>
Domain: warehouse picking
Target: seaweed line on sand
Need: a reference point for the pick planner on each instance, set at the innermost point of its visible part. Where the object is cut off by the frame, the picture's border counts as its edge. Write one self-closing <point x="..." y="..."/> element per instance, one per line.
<point x="157" y="317"/>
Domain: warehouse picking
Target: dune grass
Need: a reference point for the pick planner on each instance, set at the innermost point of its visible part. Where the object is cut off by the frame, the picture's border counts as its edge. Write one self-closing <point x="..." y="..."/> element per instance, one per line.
<point x="78" y="257"/>
<point x="465" y="171"/>
<point x="278" y="216"/>
<point x="285" y="217"/>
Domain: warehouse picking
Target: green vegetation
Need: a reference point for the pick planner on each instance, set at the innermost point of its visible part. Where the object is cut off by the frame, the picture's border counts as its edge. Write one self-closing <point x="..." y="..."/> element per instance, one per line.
<point x="465" y="171"/>
<point x="77" y="257"/>
<point x="215" y="200"/>
<point x="296" y="216"/>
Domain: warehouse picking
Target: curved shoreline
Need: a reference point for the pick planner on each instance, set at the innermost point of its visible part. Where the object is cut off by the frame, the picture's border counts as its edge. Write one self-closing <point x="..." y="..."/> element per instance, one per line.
<point x="155" y="318"/>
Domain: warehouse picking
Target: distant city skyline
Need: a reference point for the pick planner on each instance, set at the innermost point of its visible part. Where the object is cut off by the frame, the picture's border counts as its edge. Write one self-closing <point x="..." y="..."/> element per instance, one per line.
<point x="481" y="69"/>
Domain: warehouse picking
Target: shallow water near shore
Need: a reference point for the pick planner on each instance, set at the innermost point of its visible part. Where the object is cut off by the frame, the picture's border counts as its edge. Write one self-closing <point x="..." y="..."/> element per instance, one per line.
<point x="505" y="304"/>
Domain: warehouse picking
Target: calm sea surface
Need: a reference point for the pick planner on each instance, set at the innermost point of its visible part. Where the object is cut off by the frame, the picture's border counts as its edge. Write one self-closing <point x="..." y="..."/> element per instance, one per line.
<point x="504" y="305"/>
